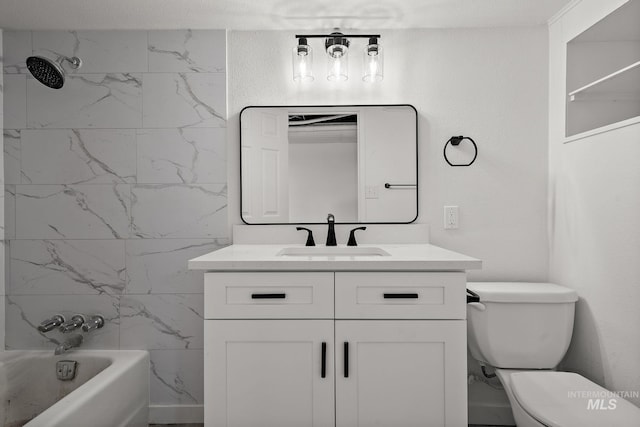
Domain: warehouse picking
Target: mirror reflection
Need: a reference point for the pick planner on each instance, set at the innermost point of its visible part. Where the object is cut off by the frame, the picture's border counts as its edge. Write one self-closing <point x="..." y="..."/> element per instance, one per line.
<point x="357" y="162"/>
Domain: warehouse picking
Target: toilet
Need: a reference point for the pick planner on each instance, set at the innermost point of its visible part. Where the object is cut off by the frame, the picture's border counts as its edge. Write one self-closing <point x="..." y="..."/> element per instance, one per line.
<point x="523" y="330"/>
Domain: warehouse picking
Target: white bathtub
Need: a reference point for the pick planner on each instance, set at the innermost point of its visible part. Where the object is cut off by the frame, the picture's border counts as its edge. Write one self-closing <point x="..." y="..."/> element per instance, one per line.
<point x="111" y="389"/>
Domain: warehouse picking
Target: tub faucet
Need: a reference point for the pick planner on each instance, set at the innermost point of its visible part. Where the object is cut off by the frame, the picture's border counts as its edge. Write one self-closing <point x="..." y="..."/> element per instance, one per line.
<point x="94" y="322"/>
<point x="73" y="324"/>
<point x="68" y="344"/>
<point x="50" y="324"/>
<point x="331" y="234"/>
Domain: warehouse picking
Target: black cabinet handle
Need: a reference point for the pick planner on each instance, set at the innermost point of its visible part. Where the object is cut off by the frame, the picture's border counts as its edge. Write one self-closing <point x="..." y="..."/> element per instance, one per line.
<point x="346" y="359"/>
<point x="323" y="369"/>
<point x="268" y="296"/>
<point x="401" y="296"/>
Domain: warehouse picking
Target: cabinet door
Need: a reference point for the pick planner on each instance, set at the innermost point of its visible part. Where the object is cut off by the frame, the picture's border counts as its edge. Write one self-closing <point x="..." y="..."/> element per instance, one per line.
<point x="401" y="373"/>
<point x="269" y="373"/>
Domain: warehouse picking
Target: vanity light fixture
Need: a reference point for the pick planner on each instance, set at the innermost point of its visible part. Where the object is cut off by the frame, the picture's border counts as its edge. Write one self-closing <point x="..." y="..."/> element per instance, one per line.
<point x="337" y="45"/>
<point x="373" y="61"/>
<point x="302" y="61"/>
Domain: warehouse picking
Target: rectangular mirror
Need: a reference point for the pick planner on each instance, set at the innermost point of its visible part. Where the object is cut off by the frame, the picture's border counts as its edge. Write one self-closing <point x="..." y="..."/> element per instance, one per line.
<point x="299" y="163"/>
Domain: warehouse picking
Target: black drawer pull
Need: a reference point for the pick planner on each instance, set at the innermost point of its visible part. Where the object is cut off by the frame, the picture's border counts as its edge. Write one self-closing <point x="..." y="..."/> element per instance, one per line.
<point x="346" y="359"/>
<point x="323" y="369"/>
<point x="401" y="296"/>
<point x="268" y="296"/>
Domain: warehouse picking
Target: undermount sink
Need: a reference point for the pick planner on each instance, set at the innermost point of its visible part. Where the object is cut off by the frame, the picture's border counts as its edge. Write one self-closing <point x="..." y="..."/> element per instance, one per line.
<point x="331" y="251"/>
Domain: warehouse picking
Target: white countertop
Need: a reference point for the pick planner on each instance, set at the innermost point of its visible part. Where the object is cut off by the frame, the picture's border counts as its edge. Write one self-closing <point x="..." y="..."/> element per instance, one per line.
<point x="401" y="257"/>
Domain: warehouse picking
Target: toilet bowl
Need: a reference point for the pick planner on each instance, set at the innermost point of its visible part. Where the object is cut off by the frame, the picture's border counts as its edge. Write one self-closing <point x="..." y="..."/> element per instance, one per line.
<point x="564" y="399"/>
<point x="523" y="330"/>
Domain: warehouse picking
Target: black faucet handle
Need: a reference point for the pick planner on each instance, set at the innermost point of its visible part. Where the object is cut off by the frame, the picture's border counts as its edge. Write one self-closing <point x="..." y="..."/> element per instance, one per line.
<point x="310" y="241"/>
<point x="352" y="236"/>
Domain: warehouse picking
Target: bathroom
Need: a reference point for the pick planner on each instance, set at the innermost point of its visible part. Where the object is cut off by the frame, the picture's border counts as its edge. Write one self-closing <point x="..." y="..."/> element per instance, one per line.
<point x="116" y="180"/>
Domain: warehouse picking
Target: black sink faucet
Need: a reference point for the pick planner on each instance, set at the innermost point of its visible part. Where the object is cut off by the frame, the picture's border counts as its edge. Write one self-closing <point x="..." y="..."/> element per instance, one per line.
<point x="331" y="234"/>
<point x="310" y="241"/>
<point x="352" y="236"/>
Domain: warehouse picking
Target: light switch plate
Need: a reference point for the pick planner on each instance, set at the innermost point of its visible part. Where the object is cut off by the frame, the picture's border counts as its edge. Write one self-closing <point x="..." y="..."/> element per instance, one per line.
<point x="371" y="192"/>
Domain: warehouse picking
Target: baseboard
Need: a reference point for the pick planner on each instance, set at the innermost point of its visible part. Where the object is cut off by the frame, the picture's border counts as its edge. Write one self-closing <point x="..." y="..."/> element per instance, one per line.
<point x="482" y="414"/>
<point x="489" y="405"/>
<point x="176" y="414"/>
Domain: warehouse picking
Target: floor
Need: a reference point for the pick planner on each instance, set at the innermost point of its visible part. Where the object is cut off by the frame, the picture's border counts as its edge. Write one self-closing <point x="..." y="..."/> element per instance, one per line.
<point x="177" y="425"/>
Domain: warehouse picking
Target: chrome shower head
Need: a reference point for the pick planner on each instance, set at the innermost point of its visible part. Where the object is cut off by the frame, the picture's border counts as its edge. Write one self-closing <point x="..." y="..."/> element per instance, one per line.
<point x="50" y="73"/>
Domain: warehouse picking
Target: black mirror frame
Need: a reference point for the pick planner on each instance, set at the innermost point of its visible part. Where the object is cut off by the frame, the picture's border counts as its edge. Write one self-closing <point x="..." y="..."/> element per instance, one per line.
<point x="328" y="106"/>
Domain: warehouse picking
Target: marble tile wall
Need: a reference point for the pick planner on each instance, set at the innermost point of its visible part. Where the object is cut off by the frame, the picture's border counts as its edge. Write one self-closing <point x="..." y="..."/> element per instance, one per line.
<point x="111" y="184"/>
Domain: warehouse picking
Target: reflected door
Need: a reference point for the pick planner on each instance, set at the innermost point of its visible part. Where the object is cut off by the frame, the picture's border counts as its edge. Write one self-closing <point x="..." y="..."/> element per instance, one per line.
<point x="265" y="165"/>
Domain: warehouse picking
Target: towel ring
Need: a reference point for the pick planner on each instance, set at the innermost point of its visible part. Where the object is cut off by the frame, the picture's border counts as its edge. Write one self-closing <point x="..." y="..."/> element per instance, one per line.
<point x="455" y="141"/>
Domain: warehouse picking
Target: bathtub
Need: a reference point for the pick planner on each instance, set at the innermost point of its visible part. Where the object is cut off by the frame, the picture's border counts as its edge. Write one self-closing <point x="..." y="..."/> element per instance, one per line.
<point x="111" y="389"/>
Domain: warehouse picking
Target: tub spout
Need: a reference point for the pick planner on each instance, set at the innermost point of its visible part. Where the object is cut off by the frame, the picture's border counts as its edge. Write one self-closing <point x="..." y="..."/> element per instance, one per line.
<point x="67" y="345"/>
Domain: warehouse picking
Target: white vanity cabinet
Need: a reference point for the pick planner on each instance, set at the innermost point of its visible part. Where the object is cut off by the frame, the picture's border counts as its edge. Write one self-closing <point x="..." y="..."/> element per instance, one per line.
<point x="269" y="373"/>
<point x="345" y="349"/>
<point x="401" y="373"/>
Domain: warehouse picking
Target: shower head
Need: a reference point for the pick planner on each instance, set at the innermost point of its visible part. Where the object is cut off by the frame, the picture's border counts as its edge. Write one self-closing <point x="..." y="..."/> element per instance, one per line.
<point x="50" y="73"/>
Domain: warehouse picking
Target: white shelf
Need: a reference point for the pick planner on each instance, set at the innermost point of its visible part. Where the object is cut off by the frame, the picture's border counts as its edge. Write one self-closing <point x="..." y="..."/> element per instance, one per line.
<point x="603" y="129"/>
<point x="613" y="87"/>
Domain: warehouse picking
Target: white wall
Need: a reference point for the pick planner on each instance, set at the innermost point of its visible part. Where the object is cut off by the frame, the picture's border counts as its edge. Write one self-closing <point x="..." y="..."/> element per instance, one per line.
<point x="490" y="84"/>
<point x="594" y="207"/>
<point x="2" y="270"/>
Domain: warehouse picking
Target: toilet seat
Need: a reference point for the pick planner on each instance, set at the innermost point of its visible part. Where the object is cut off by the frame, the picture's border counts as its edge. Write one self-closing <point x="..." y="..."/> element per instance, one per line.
<point x="561" y="399"/>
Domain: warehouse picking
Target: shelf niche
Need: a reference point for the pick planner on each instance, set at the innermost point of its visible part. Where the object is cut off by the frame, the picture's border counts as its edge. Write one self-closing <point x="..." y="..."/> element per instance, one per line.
<point x="603" y="72"/>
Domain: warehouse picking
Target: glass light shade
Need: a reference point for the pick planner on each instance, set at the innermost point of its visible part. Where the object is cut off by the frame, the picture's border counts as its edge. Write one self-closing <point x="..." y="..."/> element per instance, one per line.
<point x="302" y="63"/>
<point x="373" y="64"/>
<point x="338" y="68"/>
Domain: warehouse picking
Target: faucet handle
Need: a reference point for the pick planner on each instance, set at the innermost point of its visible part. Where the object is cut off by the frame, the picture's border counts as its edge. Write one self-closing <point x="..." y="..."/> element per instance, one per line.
<point x="94" y="322"/>
<point x="310" y="241"/>
<point x="74" y="323"/>
<point x="52" y="323"/>
<point x="352" y="236"/>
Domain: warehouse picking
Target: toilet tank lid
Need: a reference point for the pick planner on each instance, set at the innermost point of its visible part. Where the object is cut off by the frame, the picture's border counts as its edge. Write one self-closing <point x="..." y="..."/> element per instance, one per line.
<point x="522" y="292"/>
<point x="559" y="399"/>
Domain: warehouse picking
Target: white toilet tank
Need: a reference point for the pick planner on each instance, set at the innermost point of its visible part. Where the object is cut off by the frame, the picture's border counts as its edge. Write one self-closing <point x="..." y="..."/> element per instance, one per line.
<point x="518" y="325"/>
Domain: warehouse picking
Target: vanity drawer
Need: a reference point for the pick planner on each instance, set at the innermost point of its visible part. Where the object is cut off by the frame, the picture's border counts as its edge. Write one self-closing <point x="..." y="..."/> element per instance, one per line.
<point x="400" y="295"/>
<point x="268" y="295"/>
